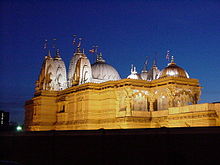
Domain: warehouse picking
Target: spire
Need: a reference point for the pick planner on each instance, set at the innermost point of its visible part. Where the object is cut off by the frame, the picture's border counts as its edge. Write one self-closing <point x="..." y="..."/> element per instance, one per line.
<point x="77" y="42"/>
<point x="155" y="63"/>
<point x="47" y="51"/>
<point x="145" y="65"/>
<point x="155" y="60"/>
<point x="48" y="56"/>
<point x="78" y="49"/>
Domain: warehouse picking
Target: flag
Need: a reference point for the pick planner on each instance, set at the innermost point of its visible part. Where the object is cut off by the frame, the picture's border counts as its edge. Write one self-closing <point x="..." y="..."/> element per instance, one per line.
<point x="92" y="51"/>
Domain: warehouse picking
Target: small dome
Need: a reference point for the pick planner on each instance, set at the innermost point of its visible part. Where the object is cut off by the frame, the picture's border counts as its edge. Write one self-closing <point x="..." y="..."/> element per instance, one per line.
<point x="173" y="70"/>
<point x="134" y="76"/>
<point x="103" y="71"/>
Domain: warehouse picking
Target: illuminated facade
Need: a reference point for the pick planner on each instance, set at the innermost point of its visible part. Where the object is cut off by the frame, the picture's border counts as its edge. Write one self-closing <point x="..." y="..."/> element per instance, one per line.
<point x="94" y="97"/>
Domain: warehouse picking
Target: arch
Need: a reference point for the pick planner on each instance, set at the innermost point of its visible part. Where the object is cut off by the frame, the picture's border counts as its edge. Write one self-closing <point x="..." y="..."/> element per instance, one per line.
<point x="59" y="70"/>
<point x="49" y="69"/>
<point x="84" y="77"/>
<point x="59" y="79"/>
<point x="139" y="102"/>
<point x="162" y="102"/>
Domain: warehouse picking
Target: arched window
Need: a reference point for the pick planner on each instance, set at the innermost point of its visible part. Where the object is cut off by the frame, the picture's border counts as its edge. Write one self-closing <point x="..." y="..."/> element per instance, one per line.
<point x="162" y="103"/>
<point x="62" y="108"/>
<point x="139" y="102"/>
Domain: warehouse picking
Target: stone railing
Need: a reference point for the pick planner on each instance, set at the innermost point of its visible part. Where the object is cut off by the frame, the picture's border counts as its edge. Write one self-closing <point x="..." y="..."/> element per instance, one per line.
<point x="195" y="108"/>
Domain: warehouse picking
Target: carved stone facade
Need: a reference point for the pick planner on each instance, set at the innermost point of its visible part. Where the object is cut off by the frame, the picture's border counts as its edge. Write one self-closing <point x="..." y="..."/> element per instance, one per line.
<point x="121" y="104"/>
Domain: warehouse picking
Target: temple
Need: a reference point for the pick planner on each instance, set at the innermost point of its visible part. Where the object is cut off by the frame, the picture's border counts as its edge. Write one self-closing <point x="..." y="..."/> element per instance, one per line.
<point x="93" y="96"/>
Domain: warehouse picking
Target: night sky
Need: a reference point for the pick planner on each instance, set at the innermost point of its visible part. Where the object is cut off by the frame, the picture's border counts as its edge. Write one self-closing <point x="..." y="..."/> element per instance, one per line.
<point x="125" y="31"/>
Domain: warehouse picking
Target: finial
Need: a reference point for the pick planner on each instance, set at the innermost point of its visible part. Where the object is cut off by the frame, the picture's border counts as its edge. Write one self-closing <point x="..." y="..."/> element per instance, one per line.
<point x="47" y="53"/>
<point x="79" y="44"/>
<point x="45" y="44"/>
<point x="99" y="58"/>
<point x="74" y="39"/>
<point x="168" y="55"/>
<point x="57" y="53"/>
<point x="94" y="50"/>
<point x="172" y="59"/>
<point x="135" y="70"/>
<point x="132" y="68"/>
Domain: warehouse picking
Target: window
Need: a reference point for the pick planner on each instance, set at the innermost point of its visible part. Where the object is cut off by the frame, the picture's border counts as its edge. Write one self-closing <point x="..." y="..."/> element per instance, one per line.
<point x="62" y="108"/>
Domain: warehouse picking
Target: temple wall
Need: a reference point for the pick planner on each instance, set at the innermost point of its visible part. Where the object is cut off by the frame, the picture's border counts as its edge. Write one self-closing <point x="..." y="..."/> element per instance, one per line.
<point x="42" y="112"/>
<point x="120" y="105"/>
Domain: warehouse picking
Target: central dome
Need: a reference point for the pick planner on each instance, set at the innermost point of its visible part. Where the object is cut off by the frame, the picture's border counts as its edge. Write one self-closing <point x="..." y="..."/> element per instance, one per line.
<point x="173" y="70"/>
<point x="103" y="71"/>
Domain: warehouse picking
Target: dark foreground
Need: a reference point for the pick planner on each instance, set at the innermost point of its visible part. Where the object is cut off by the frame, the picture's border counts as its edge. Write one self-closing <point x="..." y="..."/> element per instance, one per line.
<point x="162" y="146"/>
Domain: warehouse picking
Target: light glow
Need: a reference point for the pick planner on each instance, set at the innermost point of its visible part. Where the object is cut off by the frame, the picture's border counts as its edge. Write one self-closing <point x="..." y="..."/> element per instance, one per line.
<point x="19" y="128"/>
<point x="171" y="73"/>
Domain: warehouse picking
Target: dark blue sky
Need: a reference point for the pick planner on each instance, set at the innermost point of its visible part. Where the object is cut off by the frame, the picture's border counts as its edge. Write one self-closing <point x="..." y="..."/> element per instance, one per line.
<point x="126" y="32"/>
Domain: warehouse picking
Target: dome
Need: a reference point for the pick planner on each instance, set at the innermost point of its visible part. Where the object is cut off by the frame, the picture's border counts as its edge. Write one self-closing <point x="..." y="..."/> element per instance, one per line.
<point x="173" y="70"/>
<point x="103" y="71"/>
